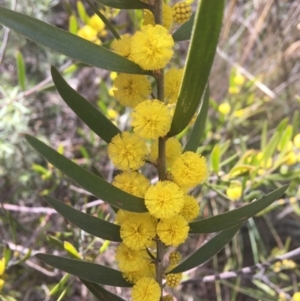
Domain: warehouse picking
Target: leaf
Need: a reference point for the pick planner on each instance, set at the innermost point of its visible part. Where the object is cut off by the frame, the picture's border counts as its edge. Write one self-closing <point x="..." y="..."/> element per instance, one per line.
<point x="21" y="71"/>
<point x="90" y="224"/>
<point x="207" y="251"/>
<point x="125" y="4"/>
<point x="87" y="180"/>
<point x="215" y="158"/>
<point x="100" y="293"/>
<point x="89" y="271"/>
<point x="82" y="12"/>
<point x="91" y="116"/>
<point x="200" y="57"/>
<point x="67" y="43"/>
<point x="184" y="31"/>
<point x="234" y="217"/>
<point x="71" y="250"/>
<point x="199" y="125"/>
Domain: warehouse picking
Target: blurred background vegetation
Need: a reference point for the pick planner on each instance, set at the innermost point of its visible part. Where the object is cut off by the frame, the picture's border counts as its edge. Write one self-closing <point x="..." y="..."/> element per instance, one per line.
<point x="250" y="142"/>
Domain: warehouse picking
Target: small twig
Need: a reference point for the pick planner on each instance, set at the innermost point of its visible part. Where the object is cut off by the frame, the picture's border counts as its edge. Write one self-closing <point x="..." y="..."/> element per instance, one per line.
<point x="243" y="271"/>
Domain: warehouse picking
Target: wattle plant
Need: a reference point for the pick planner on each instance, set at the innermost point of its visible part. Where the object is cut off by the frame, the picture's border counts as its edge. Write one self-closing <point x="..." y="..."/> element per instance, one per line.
<point x="151" y="216"/>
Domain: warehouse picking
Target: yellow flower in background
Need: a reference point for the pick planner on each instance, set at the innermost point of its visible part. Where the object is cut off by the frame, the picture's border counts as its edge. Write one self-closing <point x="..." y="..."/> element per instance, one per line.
<point x="97" y="24"/>
<point x="234" y="90"/>
<point x="234" y="191"/>
<point x="146" y="289"/>
<point x="168" y="298"/>
<point x="291" y="158"/>
<point x="2" y="269"/>
<point x="151" y="119"/>
<point x="132" y="182"/>
<point x="127" y="151"/>
<point x="297" y="140"/>
<point x="173" y="150"/>
<point x="238" y="79"/>
<point x="164" y="199"/>
<point x="122" y="46"/>
<point x="173" y="231"/>
<point x="151" y="47"/>
<point x="130" y="260"/>
<point x="167" y="17"/>
<point x="89" y="33"/>
<point x="173" y="78"/>
<point x="296" y="296"/>
<point x="287" y="147"/>
<point x="147" y="271"/>
<point x="224" y="108"/>
<point x="174" y="258"/>
<point x="190" y="209"/>
<point x="173" y="280"/>
<point x="138" y="232"/>
<point x="189" y="169"/>
<point x="266" y="164"/>
<point x="130" y="89"/>
<point x="182" y="12"/>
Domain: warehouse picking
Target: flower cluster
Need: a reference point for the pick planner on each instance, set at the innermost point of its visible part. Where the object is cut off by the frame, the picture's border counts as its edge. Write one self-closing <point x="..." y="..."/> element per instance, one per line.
<point x="2" y="269"/>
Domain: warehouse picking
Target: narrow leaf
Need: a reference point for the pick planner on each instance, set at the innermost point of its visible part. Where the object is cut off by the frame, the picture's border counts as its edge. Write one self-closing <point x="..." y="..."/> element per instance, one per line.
<point x="100" y="293"/>
<point x="89" y="271"/>
<point x="67" y="43"/>
<point x="73" y="24"/>
<point x="207" y="251"/>
<point x="92" y="183"/>
<point x="200" y="57"/>
<point x="71" y="250"/>
<point x="127" y="4"/>
<point x="215" y="158"/>
<point x="21" y="71"/>
<point x="199" y="126"/>
<point x="82" y="12"/>
<point x="90" y="224"/>
<point x="184" y="31"/>
<point x="91" y="116"/>
<point x="234" y="217"/>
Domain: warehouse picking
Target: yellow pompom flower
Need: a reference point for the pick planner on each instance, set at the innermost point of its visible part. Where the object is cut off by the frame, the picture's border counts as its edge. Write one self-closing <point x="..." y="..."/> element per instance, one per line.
<point x="173" y="150"/>
<point x="164" y="199"/>
<point x="96" y="23"/>
<point x="151" y="119"/>
<point x="138" y="232"/>
<point x="291" y="158"/>
<point x="189" y="169"/>
<point x="296" y="296"/>
<point x="167" y="17"/>
<point x="131" y="260"/>
<point x="297" y="140"/>
<point x="234" y="191"/>
<point x="173" y="231"/>
<point x="238" y="79"/>
<point x="151" y="47"/>
<point x="122" y="46"/>
<point x="130" y="90"/>
<point x="224" y="108"/>
<point x="173" y="78"/>
<point x="168" y="298"/>
<point x="182" y="12"/>
<point x="146" y="289"/>
<point x="190" y="209"/>
<point x="173" y="280"/>
<point x="127" y="151"/>
<point x="147" y="271"/>
<point x="174" y="258"/>
<point x="2" y="269"/>
<point x="89" y="33"/>
<point x="132" y="182"/>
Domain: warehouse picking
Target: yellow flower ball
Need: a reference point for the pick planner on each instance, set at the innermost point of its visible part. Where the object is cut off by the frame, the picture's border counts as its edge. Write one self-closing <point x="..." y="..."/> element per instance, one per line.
<point x="173" y="151"/>
<point x="190" y="209"/>
<point x="168" y="298"/>
<point x="127" y="151"/>
<point x="147" y="271"/>
<point x="291" y="158"/>
<point x="132" y="182"/>
<point x="173" y="280"/>
<point x="2" y="266"/>
<point x="174" y="258"/>
<point x="130" y="90"/>
<point x="151" y="47"/>
<point x="297" y="140"/>
<point x="122" y="46"/>
<point x="138" y="232"/>
<point x="224" y="108"/>
<point x="151" y="119"/>
<point x="234" y="191"/>
<point x="234" y="90"/>
<point x="182" y="12"/>
<point x="89" y="33"/>
<point x="296" y="296"/>
<point x="130" y="260"/>
<point x="173" y="78"/>
<point x="189" y="169"/>
<point x="146" y="289"/>
<point x="238" y="79"/>
<point x="173" y="231"/>
<point x="96" y="23"/>
<point x="164" y="199"/>
<point x="167" y="17"/>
